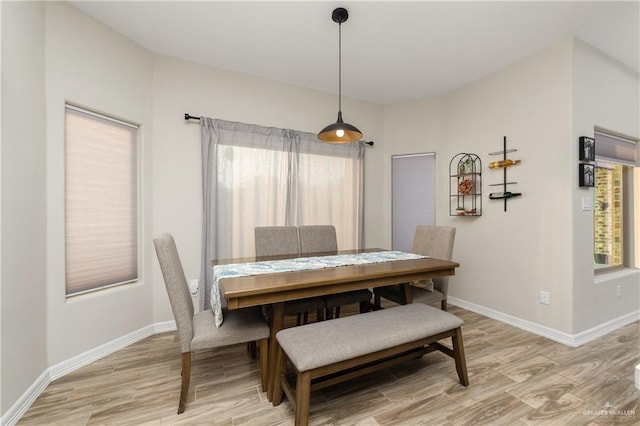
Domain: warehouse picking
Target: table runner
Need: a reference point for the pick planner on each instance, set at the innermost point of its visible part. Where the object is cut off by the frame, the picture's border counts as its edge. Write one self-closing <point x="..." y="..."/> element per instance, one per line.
<point x="295" y="264"/>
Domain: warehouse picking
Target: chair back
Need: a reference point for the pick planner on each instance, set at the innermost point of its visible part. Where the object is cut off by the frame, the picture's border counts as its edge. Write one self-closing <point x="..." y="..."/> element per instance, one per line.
<point x="276" y="241"/>
<point x="317" y="239"/>
<point x="177" y="288"/>
<point x="435" y="241"/>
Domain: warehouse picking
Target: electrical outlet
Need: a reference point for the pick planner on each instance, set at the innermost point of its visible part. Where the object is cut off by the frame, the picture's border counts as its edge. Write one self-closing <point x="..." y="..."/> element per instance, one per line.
<point x="619" y="291"/>
<point x="545" y="297"/>
<point x="193" y="286"/>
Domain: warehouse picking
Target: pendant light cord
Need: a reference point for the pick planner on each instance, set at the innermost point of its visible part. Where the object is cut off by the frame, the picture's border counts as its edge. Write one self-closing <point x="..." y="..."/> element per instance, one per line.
<point x="340" y="66"/>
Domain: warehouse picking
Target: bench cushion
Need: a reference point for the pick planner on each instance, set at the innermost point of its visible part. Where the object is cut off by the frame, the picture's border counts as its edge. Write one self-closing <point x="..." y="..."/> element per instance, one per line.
<point x="327" y="342"/>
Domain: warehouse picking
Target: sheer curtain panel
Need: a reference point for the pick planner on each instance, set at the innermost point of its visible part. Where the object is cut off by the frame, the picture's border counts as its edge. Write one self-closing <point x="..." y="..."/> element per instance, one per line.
<point x="264" y="176"/>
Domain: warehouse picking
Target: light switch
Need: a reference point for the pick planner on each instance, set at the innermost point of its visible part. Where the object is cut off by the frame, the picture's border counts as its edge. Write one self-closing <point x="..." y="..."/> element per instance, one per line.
<point x="587" y="203"/>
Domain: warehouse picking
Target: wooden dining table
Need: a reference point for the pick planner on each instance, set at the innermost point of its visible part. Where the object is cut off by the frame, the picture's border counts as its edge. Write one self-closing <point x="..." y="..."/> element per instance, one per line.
<point x="278" y="288"/>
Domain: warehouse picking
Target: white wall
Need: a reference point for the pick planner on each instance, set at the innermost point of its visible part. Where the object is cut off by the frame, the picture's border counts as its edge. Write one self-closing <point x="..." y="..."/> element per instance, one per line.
<point x="506" y="257"/>
<point x="23" y="309"/>
<point x="180" y="87"/>
<point x="90" y="65"/>
<point x="605" y="94"/>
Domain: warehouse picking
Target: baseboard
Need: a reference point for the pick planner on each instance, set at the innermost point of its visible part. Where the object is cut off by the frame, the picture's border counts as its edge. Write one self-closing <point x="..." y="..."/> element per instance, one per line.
<point x="605" y="328"/>
<point x="17" y="410"/>
<point x="163" y="327"/>
<point x="573" y="340"/>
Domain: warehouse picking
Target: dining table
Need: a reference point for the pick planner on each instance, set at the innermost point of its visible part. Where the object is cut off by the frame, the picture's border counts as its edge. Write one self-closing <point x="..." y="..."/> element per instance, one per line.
<point x="275" y="289"/>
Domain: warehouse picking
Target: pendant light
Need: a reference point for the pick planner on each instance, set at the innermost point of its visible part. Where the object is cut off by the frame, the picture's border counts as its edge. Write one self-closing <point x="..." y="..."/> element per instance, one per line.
<point x="340" y="132"/>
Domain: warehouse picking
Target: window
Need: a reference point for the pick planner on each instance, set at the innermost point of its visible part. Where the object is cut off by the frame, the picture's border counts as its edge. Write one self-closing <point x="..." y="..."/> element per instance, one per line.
<point x="256" y="188"/>
<point x="101" y="201"/>
<point x="613" y="201"/>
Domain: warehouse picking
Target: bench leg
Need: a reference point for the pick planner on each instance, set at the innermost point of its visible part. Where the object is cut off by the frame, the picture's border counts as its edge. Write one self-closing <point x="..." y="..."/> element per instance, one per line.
<point x="303" y="396"/>
<point x="458" y="355"/>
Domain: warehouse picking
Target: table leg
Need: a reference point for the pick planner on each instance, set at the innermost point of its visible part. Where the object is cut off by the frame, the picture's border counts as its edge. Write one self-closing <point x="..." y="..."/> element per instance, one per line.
<point x="276" y="324"/>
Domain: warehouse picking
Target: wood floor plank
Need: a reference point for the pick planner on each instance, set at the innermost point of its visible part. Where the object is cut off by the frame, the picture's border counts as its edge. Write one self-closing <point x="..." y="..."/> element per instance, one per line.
<point x="516" y="378"/>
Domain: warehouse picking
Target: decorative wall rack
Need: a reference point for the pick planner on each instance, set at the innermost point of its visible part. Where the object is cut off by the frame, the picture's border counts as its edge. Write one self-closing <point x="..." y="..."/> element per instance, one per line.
<point x="465" y="185"/>
<point x="504" y="164"/>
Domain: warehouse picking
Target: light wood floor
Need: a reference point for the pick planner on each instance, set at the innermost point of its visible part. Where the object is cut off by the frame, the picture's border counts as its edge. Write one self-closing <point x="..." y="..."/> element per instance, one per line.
<point x="516" y="378"/>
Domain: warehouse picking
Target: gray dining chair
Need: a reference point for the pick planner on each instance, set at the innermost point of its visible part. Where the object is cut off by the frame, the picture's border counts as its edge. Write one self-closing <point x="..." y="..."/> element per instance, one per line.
<point x="321" y="239"/>
<point x="197" y="330"/>
<point x="276" y="241"/>
<point x="281" y="241"/>
<point x="429" y="240"/>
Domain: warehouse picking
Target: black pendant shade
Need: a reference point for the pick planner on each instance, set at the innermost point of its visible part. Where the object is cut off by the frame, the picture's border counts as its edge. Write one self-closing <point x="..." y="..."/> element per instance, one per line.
<point x="340" y="132"/>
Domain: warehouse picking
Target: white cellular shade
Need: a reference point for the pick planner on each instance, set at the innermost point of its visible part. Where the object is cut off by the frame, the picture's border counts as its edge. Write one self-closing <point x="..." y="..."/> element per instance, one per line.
<point x="101" y="201"/>
<point x="614" y="148"/>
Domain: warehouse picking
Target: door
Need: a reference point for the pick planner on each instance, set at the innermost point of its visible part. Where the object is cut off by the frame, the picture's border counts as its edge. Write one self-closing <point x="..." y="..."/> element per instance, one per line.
<point x="413" y="196"/>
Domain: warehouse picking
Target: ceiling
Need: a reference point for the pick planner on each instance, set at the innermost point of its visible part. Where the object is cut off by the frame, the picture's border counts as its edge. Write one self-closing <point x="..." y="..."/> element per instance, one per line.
<point x="392" y="51"/>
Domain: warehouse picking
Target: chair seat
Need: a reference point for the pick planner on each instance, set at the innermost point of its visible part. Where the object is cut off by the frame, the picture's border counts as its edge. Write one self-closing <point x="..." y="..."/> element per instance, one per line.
<point x="339" y="299"/>
<point x="207" y="335"/>
<point x="392" y="292"/>
<point x="310" y="304"/>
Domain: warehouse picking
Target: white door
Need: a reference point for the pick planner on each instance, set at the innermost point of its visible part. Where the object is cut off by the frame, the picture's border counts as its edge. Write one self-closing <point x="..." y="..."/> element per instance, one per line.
<point x="413" y="196"/>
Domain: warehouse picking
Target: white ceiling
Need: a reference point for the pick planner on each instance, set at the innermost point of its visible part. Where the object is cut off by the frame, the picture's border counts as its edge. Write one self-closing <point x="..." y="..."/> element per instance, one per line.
<point x="393" y="51"/>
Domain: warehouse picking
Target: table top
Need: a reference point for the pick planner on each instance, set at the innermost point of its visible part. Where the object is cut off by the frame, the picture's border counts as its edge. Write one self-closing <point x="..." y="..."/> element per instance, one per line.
<point x="257" y="290"/>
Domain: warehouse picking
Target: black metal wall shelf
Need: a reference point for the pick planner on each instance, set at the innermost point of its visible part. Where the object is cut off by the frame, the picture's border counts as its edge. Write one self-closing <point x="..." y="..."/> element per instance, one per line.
<point x="465" y="185"/>
<point x="504" y="165"/>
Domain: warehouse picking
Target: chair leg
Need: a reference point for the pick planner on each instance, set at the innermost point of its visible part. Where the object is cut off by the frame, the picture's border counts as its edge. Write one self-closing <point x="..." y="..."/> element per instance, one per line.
<point x="365" y="306"/>
<point x="299" y="319"/>
<point x="305" y="317"/>
<point x="376" y="302"/>
<point x="337" y="311"/>
<point x="329" y="313"/>
<point x="252" y="348"/>
<point x="264" y="363"/>
<point x="320" y="315"/>
<point x="458" y="355"/>
<point x="443" y="305"/>
<point x="186" y="376"/>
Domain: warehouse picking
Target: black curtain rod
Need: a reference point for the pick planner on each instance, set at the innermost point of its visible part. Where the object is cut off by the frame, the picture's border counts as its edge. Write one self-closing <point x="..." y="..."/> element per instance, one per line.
<point x="188" y="116"/>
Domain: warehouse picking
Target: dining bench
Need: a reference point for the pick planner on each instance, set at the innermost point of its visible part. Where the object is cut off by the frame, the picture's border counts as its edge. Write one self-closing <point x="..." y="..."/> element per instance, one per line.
<point x="329" y="352"/>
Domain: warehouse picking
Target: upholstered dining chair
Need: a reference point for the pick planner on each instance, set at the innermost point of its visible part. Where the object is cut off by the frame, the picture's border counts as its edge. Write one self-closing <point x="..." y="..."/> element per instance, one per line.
<point x="316" y="239"/>
<point x="276" y="241"/>
<point x="197" y="330"/>
<point x="429" y="240"/>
